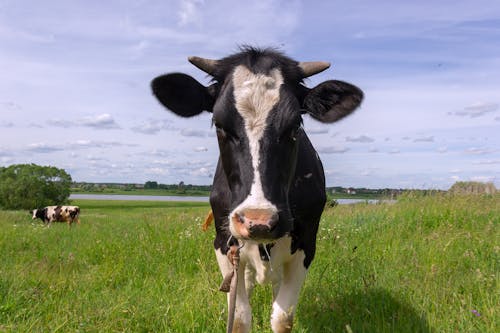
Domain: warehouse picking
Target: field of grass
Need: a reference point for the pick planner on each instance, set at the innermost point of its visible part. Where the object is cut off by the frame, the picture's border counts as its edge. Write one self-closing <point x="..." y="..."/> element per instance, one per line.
<point x="424" y="264"/>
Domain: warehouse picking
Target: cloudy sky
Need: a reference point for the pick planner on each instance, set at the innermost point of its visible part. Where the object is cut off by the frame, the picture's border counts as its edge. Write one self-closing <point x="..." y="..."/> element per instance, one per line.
<point x="74" y="87"/>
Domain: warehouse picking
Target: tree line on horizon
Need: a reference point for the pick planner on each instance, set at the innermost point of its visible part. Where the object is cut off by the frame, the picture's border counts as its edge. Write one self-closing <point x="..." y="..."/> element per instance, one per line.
<point x="29" y="186"/>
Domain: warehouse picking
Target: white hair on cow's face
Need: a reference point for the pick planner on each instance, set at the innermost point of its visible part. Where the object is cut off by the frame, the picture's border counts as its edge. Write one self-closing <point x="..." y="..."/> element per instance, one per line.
<point x="255" y="96"/>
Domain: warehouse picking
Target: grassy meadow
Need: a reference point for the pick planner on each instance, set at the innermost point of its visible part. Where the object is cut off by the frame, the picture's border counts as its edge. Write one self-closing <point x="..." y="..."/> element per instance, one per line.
<point x="424" y="264"/>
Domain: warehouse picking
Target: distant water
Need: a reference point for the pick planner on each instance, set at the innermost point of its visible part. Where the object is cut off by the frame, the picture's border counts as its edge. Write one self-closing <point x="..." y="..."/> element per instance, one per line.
<point x="137" y="197"/>
<point x="178" y="198"/>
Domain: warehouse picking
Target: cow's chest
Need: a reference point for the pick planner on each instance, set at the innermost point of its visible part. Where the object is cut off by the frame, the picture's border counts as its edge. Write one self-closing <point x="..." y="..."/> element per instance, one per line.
<point x="266" y="267"/>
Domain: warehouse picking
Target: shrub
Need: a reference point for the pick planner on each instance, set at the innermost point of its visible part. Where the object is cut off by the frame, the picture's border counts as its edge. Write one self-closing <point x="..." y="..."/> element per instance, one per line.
<point x="28" y="186"/>
<point x="473" y="188"/>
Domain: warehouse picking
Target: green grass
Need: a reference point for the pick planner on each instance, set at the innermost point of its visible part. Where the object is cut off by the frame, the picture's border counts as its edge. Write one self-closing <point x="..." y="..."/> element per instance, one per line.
<point x="425" y="264"/>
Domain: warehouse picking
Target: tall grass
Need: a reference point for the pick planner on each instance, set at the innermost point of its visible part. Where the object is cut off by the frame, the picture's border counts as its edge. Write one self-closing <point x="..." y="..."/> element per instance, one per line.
<point x="425" y="264"/>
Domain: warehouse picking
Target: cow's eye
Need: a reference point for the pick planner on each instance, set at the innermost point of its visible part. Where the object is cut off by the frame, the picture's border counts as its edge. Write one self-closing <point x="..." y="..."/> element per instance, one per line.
<point x="225" y="134"/>
<point x="293" y="132"/>
<point x="289" y="135"/>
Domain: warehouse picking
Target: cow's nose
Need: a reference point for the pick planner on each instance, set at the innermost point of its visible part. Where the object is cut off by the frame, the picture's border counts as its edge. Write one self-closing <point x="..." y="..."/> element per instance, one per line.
<point x="258" y="222"/>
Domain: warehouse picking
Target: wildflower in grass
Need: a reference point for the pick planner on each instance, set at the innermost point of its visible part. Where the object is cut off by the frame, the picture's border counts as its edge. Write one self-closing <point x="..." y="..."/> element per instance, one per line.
<point x="476" y="313"/>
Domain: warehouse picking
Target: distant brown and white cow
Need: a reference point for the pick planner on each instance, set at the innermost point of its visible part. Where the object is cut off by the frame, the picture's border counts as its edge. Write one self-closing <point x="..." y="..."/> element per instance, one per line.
<point x="269" y="186"/>
<point x="49" y="214"/>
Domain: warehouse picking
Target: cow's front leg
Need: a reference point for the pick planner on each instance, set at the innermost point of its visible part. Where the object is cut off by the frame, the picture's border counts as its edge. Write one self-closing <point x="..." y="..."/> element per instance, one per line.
<point x="288" y="291"/>
<point x="243" y="312"/>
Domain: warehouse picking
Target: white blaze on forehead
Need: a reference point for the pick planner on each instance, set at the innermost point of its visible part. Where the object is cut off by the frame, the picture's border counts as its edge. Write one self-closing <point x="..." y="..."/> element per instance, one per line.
<point x="255" y="96"/>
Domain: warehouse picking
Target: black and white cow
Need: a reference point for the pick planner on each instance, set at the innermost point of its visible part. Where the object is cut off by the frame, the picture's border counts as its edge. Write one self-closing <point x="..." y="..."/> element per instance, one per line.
<point x="269" y="186"/>
<point x="49" y="214"/>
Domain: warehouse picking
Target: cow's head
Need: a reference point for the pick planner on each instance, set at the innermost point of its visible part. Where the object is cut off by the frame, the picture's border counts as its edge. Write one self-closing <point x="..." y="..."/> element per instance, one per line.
<point x="257" y="99"/>
<point x="38" y="213"/>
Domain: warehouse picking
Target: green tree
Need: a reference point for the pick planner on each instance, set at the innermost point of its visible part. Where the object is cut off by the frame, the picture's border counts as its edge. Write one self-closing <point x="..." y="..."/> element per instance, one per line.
<point x="151" y="185"/>
<point x="28" y="186"/>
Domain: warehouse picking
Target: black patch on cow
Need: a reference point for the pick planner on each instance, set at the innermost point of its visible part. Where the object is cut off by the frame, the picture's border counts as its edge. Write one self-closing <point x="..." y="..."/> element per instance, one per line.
<point x="57" y="213"/>
<point x="74" y="213"/>
<point x="262" y="251"/>
<point x="235" y="157"/>
<point x="41" y="213"/>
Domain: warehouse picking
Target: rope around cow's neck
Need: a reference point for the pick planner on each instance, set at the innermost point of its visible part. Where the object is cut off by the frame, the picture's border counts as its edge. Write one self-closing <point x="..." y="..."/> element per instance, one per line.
<point x="230" y="283"/>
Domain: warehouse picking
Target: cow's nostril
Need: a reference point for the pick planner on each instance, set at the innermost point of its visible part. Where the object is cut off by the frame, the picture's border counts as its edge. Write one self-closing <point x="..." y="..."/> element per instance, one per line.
<point x="240" y="217"/>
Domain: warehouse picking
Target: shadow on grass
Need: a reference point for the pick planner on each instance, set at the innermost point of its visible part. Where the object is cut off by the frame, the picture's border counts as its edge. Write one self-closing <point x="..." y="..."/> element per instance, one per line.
<point x="371" y="310"/>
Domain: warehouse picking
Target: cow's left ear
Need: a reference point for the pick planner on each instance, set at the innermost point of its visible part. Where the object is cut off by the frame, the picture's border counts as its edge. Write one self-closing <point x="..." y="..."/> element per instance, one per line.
<point x="182" y="94"/>
<point x="332" y="100"/>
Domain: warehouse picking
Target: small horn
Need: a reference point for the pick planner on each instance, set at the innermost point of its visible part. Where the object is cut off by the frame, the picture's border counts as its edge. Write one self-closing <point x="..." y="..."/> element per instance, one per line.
<point x="206" y="65"/>
<point x="313" y="67"/>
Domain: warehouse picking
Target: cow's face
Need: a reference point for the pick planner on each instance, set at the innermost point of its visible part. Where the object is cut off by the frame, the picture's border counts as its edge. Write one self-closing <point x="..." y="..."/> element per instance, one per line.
<point x="257" y="100"/>
<point x="38" y="213"/>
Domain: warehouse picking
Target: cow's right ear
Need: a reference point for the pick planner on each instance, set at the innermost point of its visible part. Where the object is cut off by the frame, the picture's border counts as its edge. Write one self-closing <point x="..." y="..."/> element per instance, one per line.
<point x="182" y="94"/>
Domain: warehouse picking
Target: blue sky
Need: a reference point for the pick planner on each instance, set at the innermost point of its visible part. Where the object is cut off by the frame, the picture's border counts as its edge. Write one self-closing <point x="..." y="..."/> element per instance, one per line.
<point x="75" y="89"/>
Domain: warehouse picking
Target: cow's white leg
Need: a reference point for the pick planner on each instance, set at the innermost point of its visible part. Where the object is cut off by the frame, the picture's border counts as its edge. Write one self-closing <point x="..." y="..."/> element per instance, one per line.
<point x="288" y="291"/>
<point x="249" y="281"/>
<point x="243" y="311"/>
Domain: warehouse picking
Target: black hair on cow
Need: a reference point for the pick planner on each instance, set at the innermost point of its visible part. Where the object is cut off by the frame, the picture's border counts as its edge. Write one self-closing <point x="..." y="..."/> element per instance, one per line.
<point x="260" y="60"/>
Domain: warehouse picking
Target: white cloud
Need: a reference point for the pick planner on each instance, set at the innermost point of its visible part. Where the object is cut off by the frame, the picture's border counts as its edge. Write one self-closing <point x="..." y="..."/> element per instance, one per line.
<point x="157" y="171"/>
<point x="111" y="52"/>
<point x="332" y="150"/>
<point x="487" y="162"/>
<point x="478" y="151"/>
<point x="476" y="110"/>
<point x="424" y="139"/>
<point x="4" y="152"/>
<point x="483" y="179"/>
<point x="204" y="172"/>
<point x="360" y="139"/>
<point x="189" y="12"/>
<point x="42" y="147"/>
<point x="153" y="126"/>
<point x="61" y="123"/>
<point x="158" y="153"/>
<point x="6" y="124"/>
<point x="193" y="132"/>
<point x="101" y="121"/>
<point x="10" y="106"/>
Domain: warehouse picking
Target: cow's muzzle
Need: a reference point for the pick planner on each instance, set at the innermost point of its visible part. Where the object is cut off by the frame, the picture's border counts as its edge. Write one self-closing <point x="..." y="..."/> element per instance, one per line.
<point x="257" y="224"/>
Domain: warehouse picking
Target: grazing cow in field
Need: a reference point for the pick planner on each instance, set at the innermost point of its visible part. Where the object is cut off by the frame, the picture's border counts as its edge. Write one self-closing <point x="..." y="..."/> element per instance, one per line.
<point x="49" y="214"/>
<point x="269" y="186"/>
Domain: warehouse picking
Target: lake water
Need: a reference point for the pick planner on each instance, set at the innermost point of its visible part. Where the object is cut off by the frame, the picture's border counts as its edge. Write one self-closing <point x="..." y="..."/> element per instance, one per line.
<point x="136" y="197"/>
<point x="175" y="198"/>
